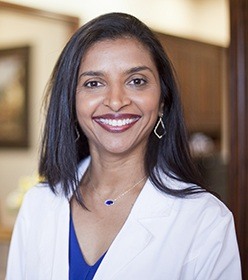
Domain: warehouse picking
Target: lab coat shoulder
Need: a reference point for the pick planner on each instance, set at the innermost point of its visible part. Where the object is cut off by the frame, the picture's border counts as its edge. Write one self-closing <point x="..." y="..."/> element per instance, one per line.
<point x="204" y="208"/>
<point x="214" y="250"/>
<point x="207" y="226"/>
<point x="38" y="194"/>
<point x="34" y="233"/>
<point x="36" y="203"/>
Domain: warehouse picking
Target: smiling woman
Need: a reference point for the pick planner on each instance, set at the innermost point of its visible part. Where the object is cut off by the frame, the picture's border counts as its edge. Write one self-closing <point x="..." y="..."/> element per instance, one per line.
<point x="118" y="97"/>
<point x="120" y="188"/>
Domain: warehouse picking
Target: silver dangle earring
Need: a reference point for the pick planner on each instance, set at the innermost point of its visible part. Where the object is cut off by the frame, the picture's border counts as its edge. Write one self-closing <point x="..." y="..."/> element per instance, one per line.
<point x="77" y="134"/>
<point x="159" y="129"/>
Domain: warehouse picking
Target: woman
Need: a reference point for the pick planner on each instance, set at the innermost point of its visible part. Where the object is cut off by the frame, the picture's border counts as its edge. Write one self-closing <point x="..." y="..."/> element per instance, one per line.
<point x="122" y="199"/>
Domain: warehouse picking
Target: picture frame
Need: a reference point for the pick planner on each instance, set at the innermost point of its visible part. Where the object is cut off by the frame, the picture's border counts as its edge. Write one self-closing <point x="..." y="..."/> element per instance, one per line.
<point x="14" y="88"/>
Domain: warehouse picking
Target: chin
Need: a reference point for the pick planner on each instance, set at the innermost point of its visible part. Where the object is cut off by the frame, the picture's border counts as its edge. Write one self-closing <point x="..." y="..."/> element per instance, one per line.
<point x="118" y="151"/>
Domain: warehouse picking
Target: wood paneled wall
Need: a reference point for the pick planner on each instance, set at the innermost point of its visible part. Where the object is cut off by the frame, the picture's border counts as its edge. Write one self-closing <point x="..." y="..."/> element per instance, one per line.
<point x="239" y="123"/>
<point x="201" y="71"/>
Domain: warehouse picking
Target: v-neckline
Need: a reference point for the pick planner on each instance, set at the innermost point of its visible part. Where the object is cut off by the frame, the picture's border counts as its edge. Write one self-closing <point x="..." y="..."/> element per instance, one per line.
<point x="73" y="232"/>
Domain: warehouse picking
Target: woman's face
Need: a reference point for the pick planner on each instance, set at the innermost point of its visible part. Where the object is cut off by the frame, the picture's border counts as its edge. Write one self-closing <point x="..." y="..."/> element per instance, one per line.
<point x="117" y="96"/>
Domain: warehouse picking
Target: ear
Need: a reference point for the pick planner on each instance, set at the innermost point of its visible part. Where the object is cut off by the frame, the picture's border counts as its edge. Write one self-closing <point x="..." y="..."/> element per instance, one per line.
<point x="161" y="109"/>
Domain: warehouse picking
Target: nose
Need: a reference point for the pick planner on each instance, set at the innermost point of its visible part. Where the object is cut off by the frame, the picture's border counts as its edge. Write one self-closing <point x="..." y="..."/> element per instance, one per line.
<point x="116" y="98"/>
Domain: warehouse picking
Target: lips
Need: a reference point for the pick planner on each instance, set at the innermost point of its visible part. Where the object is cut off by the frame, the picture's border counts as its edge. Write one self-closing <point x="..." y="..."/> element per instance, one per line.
<point x="116" y="122"/>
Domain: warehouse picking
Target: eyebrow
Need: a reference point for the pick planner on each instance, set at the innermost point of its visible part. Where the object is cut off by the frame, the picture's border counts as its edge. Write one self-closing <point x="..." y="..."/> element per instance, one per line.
<point x="129" y="71"/>
<point x="137" y="69"/>
<point x="91" y="73"/>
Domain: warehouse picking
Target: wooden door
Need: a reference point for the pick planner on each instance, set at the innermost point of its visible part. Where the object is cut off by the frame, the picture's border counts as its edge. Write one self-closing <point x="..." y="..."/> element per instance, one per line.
<point x="239" y="124"/>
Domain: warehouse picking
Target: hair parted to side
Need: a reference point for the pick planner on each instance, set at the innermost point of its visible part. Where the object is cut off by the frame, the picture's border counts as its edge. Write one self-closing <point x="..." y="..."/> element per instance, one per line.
<point x="60" y="154"/>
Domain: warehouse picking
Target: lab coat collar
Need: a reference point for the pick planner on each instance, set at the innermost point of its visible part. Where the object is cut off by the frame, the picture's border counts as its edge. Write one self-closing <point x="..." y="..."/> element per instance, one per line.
<point x="150" y="208"/>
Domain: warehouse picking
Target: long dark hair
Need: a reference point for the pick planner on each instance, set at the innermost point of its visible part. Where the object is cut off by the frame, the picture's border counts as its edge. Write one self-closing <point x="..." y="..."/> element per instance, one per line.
<point x="61" y="154"/>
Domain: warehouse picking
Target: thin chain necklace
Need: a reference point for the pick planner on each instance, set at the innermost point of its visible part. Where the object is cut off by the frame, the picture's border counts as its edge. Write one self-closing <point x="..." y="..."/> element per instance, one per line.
<point x="109" y="202"/>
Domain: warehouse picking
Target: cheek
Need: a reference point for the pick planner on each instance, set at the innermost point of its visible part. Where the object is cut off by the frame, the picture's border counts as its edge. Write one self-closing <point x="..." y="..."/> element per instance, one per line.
<point x="85" y="106"/>
<point x="80" y="108"/>
<point x="151" y="104"/>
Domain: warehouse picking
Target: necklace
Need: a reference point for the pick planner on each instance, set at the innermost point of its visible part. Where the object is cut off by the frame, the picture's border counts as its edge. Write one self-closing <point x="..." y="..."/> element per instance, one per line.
<point x="109" y="202"/>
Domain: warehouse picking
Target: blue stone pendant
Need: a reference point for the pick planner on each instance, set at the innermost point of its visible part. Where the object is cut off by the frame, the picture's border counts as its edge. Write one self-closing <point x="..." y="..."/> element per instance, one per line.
<point x="109" y="202"/>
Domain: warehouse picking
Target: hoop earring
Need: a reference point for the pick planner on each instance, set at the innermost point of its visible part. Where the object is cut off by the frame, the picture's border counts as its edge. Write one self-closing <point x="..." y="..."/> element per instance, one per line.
<point x="77" y="134"/>
<point x="160" y="126"/>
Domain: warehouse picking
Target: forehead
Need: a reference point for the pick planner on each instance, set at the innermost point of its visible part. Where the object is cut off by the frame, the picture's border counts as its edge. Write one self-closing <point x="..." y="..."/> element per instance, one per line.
<point x="118" y="49"/>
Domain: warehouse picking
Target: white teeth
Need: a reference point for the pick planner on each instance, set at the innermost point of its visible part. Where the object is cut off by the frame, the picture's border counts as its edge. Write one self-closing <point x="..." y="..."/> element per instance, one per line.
<point x="117" y="122"/>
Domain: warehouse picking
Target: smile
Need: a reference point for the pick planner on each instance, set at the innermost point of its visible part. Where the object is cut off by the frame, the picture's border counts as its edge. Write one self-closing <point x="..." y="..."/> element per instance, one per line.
<point x="118" y="123"/>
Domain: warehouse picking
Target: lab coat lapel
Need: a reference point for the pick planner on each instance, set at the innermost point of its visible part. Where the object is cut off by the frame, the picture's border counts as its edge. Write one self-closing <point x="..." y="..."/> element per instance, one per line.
<point x="137" y="232"/>
<point x="58" y="238"/>
<point x="132" y="239"/>
<point x="54" y="242"/>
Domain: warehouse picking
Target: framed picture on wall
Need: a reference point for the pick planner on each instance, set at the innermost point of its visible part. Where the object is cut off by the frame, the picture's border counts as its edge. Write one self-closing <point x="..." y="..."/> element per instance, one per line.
<point x="14" y="84"/>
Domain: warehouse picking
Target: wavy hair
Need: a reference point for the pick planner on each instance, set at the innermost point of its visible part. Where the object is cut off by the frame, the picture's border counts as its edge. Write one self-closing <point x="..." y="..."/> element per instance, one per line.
<point x="60" y="154"/>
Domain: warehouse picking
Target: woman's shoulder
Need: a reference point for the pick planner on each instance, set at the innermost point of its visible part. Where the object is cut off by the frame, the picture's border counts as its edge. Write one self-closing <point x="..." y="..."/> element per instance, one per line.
<point x="203" y="205"/>
<point x="39" y="191"/>
<point x="204" y="208"/>
<point x="41" y="198"/>
<point x="202" y="199"/>
<point x="209" y="203"/>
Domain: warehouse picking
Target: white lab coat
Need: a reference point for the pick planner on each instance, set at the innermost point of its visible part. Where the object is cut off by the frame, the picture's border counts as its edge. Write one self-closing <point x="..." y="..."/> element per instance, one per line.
<point x="164" y="238"/>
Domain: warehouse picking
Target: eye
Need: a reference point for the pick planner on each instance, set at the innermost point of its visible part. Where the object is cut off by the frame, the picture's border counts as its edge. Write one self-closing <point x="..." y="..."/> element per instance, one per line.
<point x="93" y="84"/>
<point x="138" y="82"/>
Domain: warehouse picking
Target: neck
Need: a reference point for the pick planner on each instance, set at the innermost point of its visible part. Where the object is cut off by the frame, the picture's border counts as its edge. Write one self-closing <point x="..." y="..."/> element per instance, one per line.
<point x="110" y="174"/>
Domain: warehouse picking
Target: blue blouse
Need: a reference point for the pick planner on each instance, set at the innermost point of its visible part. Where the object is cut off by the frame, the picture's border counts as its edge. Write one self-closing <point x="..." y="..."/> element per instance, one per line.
<point x="78" y="267"/>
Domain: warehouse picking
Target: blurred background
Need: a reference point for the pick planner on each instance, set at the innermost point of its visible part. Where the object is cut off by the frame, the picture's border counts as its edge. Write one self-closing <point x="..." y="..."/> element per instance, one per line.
<point x="196" y="35"/>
